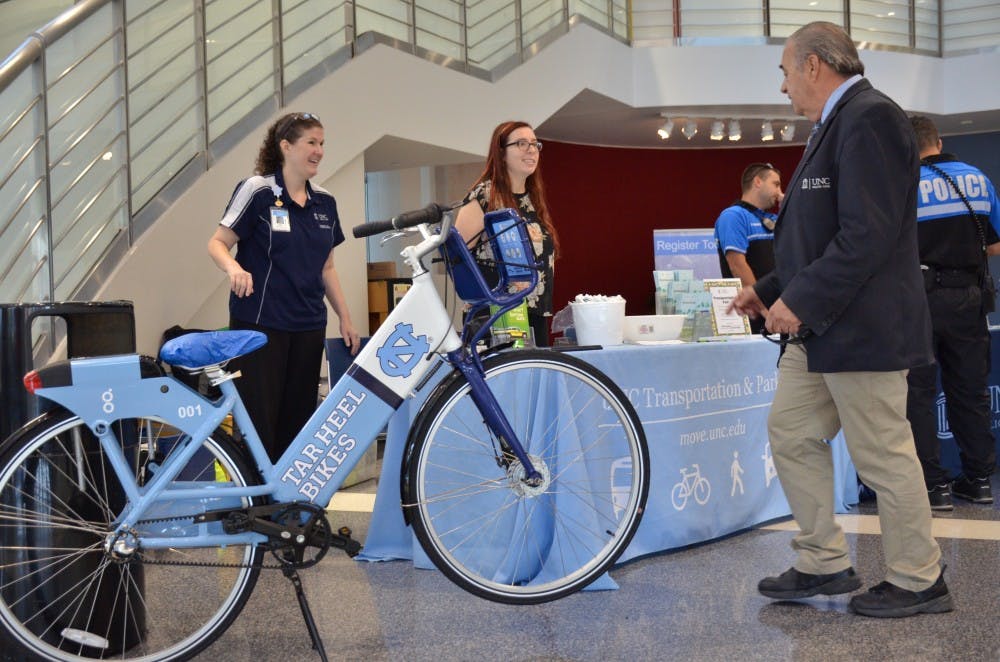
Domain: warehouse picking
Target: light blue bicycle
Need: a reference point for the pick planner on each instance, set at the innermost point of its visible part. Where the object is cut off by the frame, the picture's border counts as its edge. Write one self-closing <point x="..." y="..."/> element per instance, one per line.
<point x="133" y="527"/>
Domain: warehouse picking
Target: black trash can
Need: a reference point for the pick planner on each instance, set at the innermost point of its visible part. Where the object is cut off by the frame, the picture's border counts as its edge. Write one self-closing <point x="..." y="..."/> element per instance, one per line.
<point x="91" y="329"/>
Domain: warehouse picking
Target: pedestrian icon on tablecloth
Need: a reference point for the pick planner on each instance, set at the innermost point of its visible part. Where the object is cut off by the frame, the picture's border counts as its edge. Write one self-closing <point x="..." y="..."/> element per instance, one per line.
<point x="735" y="470"/>
<point x="769" y="471"/>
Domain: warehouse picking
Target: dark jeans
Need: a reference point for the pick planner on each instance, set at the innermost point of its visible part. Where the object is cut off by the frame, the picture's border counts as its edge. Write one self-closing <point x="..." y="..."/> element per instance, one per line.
<point x="280" y="383"/>
<point x="961" y="342"/>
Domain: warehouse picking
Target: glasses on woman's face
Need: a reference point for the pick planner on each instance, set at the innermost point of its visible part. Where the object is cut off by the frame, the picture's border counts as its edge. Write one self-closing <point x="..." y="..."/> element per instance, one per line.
<point x="523" y="144"/>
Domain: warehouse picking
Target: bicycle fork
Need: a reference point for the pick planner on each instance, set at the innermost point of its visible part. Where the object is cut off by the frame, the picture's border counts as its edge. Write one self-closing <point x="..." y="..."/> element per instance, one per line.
<point x="470" y="367"/>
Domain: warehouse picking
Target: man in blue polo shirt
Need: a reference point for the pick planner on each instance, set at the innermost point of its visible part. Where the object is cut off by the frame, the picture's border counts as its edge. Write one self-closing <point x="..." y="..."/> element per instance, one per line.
<point x="957" y="214"/>
<point x="744" y="232"/>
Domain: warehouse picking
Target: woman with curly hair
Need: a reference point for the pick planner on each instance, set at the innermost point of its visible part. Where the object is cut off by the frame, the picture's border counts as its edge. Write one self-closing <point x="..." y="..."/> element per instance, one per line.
<point x="284" y="229"/>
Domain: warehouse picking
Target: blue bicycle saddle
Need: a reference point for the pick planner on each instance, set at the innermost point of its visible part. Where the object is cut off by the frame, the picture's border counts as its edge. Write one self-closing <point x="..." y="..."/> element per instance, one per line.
<point x="197" y="350"/>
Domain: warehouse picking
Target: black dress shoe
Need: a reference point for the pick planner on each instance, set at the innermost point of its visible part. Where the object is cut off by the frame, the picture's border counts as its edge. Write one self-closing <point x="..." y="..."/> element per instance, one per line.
<point x="793" y="584"/>
<point x="887" y="600"/>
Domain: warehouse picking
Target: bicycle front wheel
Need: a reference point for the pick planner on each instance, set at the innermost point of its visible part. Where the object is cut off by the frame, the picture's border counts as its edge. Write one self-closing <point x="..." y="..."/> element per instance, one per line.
<point x="489" y="530"/>
<point x="63" y="596"/>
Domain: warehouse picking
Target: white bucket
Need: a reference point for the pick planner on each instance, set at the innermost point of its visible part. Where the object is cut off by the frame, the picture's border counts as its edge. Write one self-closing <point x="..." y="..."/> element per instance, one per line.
<point x="599" y="322"/>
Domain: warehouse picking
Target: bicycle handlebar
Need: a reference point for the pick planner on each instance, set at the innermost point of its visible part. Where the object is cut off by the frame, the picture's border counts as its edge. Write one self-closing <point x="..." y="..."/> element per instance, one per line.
<point x="432" y="213"/>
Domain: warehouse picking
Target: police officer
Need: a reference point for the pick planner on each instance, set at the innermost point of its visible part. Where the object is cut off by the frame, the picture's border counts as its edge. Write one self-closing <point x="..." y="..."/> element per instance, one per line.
<point x="744" y="231"/>
<point x="957" y="216"/>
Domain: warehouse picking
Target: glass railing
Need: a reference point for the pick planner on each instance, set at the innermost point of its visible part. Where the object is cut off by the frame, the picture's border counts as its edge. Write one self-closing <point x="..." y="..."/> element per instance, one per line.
<point x="109" y="112"/>
<point x="112" y="109"/>
<point x="924" y="26"/>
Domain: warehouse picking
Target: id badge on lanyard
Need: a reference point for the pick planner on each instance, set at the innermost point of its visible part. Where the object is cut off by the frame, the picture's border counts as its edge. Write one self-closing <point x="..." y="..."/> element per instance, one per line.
<point x="280" y="221"/>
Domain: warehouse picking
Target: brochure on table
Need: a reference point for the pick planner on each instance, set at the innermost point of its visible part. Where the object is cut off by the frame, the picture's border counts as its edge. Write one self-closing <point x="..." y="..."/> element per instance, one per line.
<point x="688" y="282"/>
<point x="724" y="323"/>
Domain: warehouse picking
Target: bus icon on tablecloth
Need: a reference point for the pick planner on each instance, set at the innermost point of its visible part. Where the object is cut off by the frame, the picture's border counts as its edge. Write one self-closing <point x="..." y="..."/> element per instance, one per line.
<point x="621" y="483"/>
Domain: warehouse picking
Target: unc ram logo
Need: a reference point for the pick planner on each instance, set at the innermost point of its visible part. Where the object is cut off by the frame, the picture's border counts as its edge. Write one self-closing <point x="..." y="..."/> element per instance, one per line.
<point x="401" y="351"/>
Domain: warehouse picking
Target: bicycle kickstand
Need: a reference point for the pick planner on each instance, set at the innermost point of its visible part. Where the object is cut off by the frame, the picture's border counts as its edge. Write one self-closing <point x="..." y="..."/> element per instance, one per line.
<point x="293" y="575"/>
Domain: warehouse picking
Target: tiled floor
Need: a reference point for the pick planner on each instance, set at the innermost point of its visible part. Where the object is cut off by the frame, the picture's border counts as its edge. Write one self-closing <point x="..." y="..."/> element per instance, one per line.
<point x="695" y="604"/>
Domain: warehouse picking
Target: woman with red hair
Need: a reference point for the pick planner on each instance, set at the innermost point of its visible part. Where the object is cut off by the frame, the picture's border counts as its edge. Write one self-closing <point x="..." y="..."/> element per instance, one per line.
<point x="512" y="179"/>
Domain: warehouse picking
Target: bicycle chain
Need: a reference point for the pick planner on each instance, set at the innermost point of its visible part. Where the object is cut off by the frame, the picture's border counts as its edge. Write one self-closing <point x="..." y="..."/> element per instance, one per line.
<point x="200" y="564"/>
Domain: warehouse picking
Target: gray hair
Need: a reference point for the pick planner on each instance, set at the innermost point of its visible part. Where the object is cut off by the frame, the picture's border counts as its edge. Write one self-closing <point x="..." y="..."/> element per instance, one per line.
<point x="831" y="44"/>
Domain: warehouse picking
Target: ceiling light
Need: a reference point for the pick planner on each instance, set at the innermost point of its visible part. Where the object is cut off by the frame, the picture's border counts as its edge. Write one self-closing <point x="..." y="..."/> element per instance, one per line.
<point x="735" y="133"/>
<point x="718" y="130"/>
<point x="788" y="132"/>
<point x="664" y="131"/>
<point x="690" y="129"/>
<point x="766" y="131"/>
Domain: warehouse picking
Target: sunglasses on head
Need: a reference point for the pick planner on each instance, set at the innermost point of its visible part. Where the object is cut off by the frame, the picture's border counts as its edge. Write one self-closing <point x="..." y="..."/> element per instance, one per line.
<point x="290" y="121"/>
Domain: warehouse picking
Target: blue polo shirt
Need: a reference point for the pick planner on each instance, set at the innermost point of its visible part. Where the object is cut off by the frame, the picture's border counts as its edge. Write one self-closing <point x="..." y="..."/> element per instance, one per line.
<point x="741" y="230"/>
<point x="285" y="259"/>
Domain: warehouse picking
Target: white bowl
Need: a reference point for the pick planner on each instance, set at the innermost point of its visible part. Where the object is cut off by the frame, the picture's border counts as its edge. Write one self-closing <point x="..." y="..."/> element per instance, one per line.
<point x="639" y="328"/>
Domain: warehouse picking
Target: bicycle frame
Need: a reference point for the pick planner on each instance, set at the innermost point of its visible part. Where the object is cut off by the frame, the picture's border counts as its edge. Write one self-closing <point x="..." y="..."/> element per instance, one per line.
<point x="386" y="372"/>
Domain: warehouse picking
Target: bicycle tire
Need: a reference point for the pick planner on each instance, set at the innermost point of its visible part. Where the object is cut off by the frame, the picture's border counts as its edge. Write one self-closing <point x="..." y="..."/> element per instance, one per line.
<point x="59" y="589"/>
<point x="702" y="490"/>
<point x="481" y="525"/>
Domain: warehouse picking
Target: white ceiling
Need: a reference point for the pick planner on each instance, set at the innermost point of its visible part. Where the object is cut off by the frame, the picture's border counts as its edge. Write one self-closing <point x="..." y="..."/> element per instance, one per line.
<point x="594" y="119"/>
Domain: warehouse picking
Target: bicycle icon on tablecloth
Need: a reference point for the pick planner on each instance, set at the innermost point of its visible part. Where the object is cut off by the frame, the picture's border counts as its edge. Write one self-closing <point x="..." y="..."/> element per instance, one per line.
<point x="692" y="483"/>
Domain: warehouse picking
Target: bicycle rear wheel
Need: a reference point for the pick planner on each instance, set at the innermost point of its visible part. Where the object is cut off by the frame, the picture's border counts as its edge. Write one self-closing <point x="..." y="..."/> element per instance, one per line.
<point x="62" y="596"/>
<point x="488" y="530"/>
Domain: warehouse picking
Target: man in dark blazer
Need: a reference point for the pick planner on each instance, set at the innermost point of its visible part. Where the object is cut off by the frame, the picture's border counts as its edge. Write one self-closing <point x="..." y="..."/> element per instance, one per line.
<point x="847" y="287"/>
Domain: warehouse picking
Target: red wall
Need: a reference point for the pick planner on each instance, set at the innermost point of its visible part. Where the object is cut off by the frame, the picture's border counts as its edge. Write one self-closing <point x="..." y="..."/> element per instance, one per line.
<point x="606" y="202"/>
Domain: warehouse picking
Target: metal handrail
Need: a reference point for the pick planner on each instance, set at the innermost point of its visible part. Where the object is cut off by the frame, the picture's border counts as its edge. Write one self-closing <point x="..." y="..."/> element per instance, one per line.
<point x="249" y="7"/>
<point x="17" y="164"/>
<point x="17" y="210"/>
<point x="42" y="262"/>
<point x="153" y="106"/>
<point x="170" y="156"/>
<point x="90" y="203"/>
<point x="86" y="169"/>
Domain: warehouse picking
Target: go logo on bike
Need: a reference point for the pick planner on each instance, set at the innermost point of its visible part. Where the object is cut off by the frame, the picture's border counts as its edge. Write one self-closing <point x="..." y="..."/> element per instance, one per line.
<point x="692" y="483"/>
<point x="108" y="401"/>
<point x="402" y="351"/>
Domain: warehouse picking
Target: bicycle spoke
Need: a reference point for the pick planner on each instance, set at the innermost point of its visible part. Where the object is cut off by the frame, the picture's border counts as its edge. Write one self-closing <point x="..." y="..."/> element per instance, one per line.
<point x="69" y="512"/>
<point x="552" y="535"/>
<point x="57" y="501"/>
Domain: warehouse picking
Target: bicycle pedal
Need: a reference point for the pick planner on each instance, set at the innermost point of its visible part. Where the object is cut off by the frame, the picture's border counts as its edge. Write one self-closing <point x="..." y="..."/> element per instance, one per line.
<point x="342" y="540"/>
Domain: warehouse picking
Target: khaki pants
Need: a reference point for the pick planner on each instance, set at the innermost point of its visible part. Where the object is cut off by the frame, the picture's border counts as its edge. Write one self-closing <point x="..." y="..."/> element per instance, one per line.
<point x="810" y="408"/>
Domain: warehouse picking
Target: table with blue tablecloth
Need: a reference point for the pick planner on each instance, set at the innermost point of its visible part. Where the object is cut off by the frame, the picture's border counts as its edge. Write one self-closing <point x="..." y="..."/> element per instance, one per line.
<point x="704" y="410"/>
